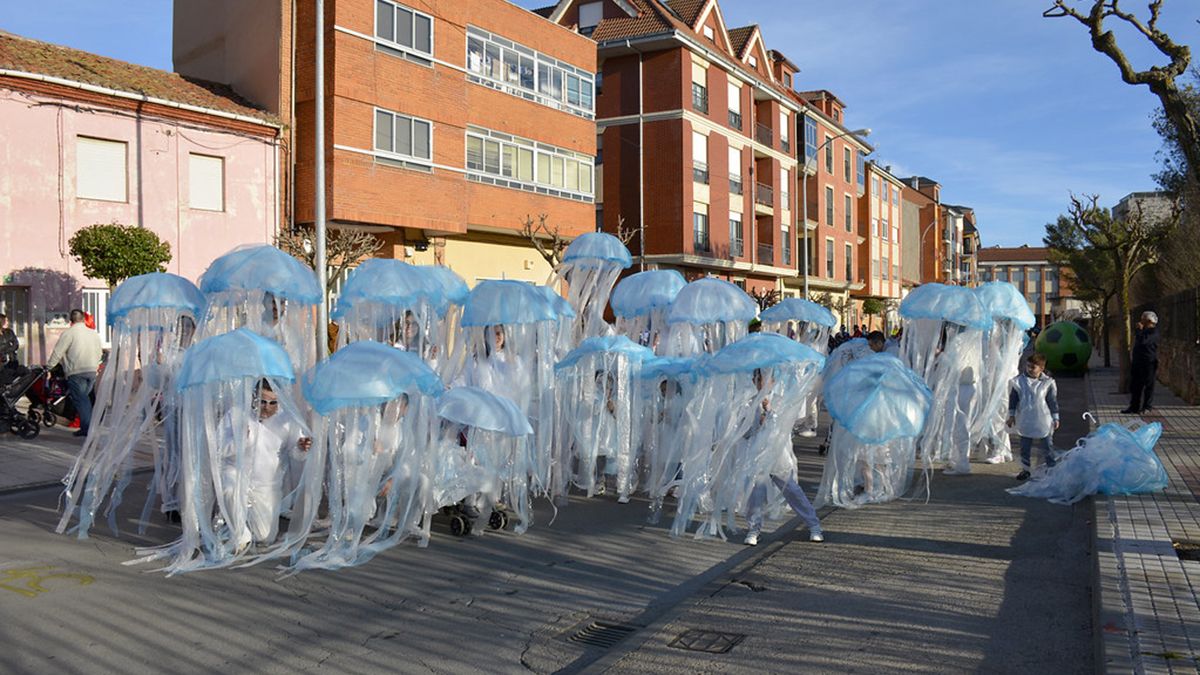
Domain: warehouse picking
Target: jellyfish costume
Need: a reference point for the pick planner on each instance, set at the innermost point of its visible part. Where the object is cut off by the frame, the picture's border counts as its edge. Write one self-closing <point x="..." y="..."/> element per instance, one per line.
<point x="563" y="332"/>
<point x="232" y="448"/>
<point x="509" y="330"/>
<point x="1112" y="460"/>
<point x="737" y="444"/>
<point x="943" y="343"/>
<point x="454" y="292"/>
<point x="393" y="302"/>
<point x="485" y="455"/>
<point x="706" y="315"/>
<point x="808" y="323"/>
<point x="267" y="291"/>
<point x="372" y="452"/>
<point x="667" y="384"/>
<point x="590" y="266"/>
<point x="640" y="303"/>
<point x="598" y="404"/>
<point x="1003" y="342"/>
<point x="879" y="408"/>
<point x="154" y="320"/>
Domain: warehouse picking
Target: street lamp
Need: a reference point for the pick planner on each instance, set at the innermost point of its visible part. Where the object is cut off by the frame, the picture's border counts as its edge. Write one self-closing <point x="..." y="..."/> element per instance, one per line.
<point x="857" y="133"/>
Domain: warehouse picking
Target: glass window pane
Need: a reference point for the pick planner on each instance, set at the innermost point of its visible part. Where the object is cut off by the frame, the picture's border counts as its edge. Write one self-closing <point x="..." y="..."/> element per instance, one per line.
<point x="556" y="83"/>
<point x="525" y="164"/>
<point x="383" y="131"/>
<point x="527" y="72"/>
<point x="474" y="153"/>
<point x="403" y="135"/>
<point x="491" y="157"/>
<point x="572" y="182"/>
<point x="585" y="178"/>
<point x="493" y="67"/>
<point x="543" y="168"/>
<point x="585" y="95"/>
<point x="404" y="32"/>
<point x="424" y="35"/>
<point x="475" y="55"/>
<point x="556" y="171"/>
<point x="572" y="90"/>
<point x="421" y="139"/>
<point x="508" y="160"/>
<point x="512" y="67"/>
<point x="385" y="20"/>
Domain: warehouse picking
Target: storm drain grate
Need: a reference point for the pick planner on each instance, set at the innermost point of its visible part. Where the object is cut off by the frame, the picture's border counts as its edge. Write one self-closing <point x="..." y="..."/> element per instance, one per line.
<point x="709" y="641"/>
<point x="602" y="634"/>
<point x="1187" y="550"/>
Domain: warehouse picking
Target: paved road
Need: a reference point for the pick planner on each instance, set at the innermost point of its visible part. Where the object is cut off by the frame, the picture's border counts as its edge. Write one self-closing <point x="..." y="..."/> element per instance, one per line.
<point x="973" y="580"/>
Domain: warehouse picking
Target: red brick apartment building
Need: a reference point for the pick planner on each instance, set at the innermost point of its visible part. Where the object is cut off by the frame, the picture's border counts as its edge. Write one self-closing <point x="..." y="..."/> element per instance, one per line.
<point x="879" y="230"/>
<point x="447" y="122"/>
<point x="934" y="243"/>
<point x="697" y="131"/>
<point x="1046" y="286"/>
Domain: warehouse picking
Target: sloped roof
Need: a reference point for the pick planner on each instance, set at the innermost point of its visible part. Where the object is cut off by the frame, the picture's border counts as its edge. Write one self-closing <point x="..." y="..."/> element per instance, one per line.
<point x="42" y="58"/>
<point x="738" y="37"/>
<point x="1017" y="254"/>
<point x="545" y="11"/>
<point x="688" y="10"/>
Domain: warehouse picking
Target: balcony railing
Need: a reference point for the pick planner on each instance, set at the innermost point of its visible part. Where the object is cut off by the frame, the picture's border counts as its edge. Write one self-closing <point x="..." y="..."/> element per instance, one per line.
<point x="700" y="245"/>
<point x="737" y="248"/>
<point x="735" y="185"/>
<point x="766" y="254"/>
<point x="764" y="134"/>
<point x="700" y="172"/>
<point x="700" y="98"/>
<point x="763" y="194"/>
<point x="787" y="250"/>
<point x="735" y="120"/>
<point x="785" y="144"/>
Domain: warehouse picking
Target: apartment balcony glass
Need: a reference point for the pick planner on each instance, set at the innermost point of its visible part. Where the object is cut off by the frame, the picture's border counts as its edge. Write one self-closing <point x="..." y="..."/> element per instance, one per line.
<point x="735" y="119"/>
<point x="785" y="144"/>
<point x="737" y="248"/>
<point x="700" y="172"/>
<point x="764" y="134"/>
<point x="735" y="185"/>
<point x="763" y="194"/>
<point x="787" y="249"/>
<point x="700" y="97"/>
<point x="766" y="254"/>
<point x="700" y="243"/>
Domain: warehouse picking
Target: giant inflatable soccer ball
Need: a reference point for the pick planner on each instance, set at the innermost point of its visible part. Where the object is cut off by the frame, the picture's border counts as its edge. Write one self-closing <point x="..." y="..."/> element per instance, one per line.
<point x="1066" y="346"/>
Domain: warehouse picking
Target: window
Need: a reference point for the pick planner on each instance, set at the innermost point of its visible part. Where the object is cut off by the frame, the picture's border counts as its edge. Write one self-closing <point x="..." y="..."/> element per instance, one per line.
<point x="849" y="205"/>
<point x="875" y="187"/>
<point x="403" y="26"/>
<point x="510" y="161"/>
<point x="699" y="157"/>
<point x="849" y="262"/>
<point x="785" y="193"/>
<point x="735" y="105"/>
<point x="846" y="164"/>
<point x="828" y="155"/>
<point x="874" y="227"/>
<point x="784" y="132"/>
<point x="884" y="226"/>
<point x="100" y="169"/>
<point x="1018" y="277"/>
<point x="753" y="61"/>
<point x="206" y="182"/>
<point x="708" y="33"/>
<point x="502" y="64"/>
<point x="895" y="272"/>
<point x="829" y="258"/>
<point x="95" y="302"/>
<point x="862" y="169"/>
<point x="699" y="87"/>
<point x="886" y="268"/>
<point x="590" y="14"/>
<point x="874" y="268"/>
<point x="735" y="170"/>
<point x="810" y="140"/>
<point x="409" y="137"/>
<point x="828" y="205"/>
<point x="1001" y="274"/>
<point x="736" y="235"/>
<point x="700" y="228"/>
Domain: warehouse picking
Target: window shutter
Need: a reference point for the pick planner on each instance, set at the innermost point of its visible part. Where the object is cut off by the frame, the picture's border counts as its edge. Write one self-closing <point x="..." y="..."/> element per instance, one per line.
<point x="206" y="182"/>
<point x="699" y="74"/>
<point x="735" y="98"/>
<point x="100" y="169"/>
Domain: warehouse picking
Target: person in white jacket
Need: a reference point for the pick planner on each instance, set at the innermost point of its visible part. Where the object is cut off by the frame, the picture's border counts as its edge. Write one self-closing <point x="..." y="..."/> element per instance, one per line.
<point x="1033" y="410"/>
<point x="79" y="350"/>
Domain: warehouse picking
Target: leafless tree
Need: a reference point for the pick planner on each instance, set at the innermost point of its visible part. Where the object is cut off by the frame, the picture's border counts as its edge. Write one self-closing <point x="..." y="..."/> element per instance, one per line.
<point x="344" y="248"/>
<point x="764" y="298"/>
<point x="546" y="238"/>
<point x="625" y="234"/>
<point x="1160" y="79"/>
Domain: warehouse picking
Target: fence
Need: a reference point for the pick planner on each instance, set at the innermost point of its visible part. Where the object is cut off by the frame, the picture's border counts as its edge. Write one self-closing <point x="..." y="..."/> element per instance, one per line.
<point x="1178" y="316"/>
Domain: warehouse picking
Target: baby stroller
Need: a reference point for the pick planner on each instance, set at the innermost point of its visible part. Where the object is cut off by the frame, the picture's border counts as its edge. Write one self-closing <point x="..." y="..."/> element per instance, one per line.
<point x="48" y="399"/>
<point x="11" y="419"/>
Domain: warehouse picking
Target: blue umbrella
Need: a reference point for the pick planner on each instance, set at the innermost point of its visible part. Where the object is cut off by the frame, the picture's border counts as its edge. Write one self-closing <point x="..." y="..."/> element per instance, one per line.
<point x="479" y="408"/>
<point x="233" y="356"/>
<point x="595" y="248"/>
<point x="366" y="373"/>
<point x="263" y="268"/>
<point x="157" y="290"/>
<point x="797" y="309"/>
<point x="1002" y="300"/>
<point x="507" y="302"/>
<point x="641" y="293"/>
<point x="877" y="399"/>
<point x="711" y="300"/>
<point x="952" y="304"/>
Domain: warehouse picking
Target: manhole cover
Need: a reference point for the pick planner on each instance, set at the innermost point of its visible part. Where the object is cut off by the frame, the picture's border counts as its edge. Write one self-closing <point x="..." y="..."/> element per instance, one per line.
<point x="1187" y="550"/>
<point x="603" y="634"/>
<point x="709" y="641"/>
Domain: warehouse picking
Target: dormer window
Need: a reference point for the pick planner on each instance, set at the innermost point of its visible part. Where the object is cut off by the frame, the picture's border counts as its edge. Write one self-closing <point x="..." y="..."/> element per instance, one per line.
<point x="753" y="61"/>
<point x="590" y="15"/>
<point x="708" y="33"/>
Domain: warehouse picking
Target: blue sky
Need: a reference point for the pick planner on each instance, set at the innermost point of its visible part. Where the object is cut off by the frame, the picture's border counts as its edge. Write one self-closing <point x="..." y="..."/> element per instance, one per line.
<point x="1009" y="111"/>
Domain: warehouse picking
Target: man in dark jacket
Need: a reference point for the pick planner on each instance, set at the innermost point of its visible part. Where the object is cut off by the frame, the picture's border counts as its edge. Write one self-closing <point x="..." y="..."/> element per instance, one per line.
<point x="9" y="345"/>
<point x="1143" y="366"/>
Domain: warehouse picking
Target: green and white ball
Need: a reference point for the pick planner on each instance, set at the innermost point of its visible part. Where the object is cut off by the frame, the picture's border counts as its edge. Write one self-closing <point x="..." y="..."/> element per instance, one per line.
<point x="1066" y="346"/>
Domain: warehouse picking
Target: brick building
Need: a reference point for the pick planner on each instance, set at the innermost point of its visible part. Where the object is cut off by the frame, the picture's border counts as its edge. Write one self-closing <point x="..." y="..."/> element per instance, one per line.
<point x="880" y="220"/>
<point x="447" y="123"/>
<point x="1046" y="286"/>
<point x="933" y="239"/>
<point x="698" y="137"/>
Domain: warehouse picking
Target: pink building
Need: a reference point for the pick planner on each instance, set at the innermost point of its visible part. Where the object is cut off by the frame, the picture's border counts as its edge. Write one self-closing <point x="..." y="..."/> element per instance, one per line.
<point x="86" y="139"/>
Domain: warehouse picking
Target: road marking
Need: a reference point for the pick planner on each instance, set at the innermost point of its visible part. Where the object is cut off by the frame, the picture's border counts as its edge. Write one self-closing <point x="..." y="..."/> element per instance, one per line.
<point x="34" y="577"/>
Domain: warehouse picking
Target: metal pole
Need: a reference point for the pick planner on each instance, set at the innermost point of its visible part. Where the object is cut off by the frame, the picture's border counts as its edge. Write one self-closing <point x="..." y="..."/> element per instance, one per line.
<point x="641" y="167"/>
<point x="319" y="197"/>
<point x="804" y="221"/>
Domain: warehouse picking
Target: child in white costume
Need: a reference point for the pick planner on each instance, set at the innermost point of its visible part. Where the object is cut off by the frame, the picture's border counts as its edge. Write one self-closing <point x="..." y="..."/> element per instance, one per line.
<point x="1033" y="410"/>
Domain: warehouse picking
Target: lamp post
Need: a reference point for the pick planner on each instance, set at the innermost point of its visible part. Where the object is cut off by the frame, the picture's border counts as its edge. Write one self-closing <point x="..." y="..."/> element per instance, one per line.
<point x="921" y="252"/>
<point x="857" y="133"/>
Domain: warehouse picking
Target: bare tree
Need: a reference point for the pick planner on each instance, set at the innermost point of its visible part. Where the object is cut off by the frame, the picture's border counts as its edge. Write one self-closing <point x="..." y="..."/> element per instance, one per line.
<point x="764" y="298"/>
<point x="344" y="248"/>
<point x="1160" y="79"/>
<point x="625" y="234"/>
<point x="547" y="239"/>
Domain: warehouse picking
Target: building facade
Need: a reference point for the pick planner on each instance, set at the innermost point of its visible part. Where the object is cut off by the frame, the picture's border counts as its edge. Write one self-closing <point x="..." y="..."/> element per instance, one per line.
<point x="87" y="140"/>
<point x="1045" y="285"/>
<point x="448" y="125"/>
<point x="880" y="220"/>
<point x="935" y="238"/>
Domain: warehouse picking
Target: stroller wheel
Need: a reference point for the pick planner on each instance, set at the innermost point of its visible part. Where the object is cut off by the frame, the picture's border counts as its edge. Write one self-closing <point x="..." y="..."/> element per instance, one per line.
<point x="26" y="429"/>
<point x="34" y="416"/>
<point x="497" y="520"/>
<point x="49" y="419"/>
<point x="459" y="526"/>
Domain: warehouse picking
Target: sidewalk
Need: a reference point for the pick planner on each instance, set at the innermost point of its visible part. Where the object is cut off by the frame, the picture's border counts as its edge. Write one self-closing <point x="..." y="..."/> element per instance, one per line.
<point x="46" y="459"/>
<point x="1150" y="598"/>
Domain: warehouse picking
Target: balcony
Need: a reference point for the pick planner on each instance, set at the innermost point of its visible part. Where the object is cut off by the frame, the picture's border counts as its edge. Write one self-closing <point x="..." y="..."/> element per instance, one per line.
<point x="737" y="248"/>
<point x="735" y="185"/>
<point x="700" y="98"/>
<point x="700" y="172"/>
<point x="764" y="195"/>
<point x="735" y="120"/>
<point x="786" y="145"/>
<point x="787" y="250"/>
<point x="700" y="246"/>
<point x="764" y="134"/>
<point x="766" y="254"/>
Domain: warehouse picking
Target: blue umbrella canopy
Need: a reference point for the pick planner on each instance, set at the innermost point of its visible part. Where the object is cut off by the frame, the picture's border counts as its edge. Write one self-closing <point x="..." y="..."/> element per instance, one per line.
<point x="953" y="304"/>
<point x="797" y="309"/>
<point x="263" y="268"/>
<point x="759" y="350"/>
<point x="595" y="248"/>
<point x="367" y="373"/>
<point x="877" y="399"/>
<point x="454" y="289"/>
<point x="157" y="290"/>
<point x="391" y="282"/>
<point x="233" y="356"/>
<point x="479" y="408"/>
<point x="607" y="344"/>
<point x="507" y="302"/>
<point x="671" y="367"/>
<point x="641" y="293"/>
<point x="711" y="300"/>
<point x="1002" y="300"/>
<point x="558" y="303"/>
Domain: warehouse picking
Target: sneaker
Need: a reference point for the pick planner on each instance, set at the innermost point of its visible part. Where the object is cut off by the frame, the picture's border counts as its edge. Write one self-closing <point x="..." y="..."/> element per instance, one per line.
<point x="816" y="536"/>
<point x="807" y="433"/>
<point x="751" y="539"/>
<point x="1024" y="475"/>
<point x="994" y="460"/>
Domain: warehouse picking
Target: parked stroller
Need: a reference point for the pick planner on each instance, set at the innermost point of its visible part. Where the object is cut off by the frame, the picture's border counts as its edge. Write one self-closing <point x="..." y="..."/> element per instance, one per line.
<point x="49" y="403"/>
<point x="11" y="419"/>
